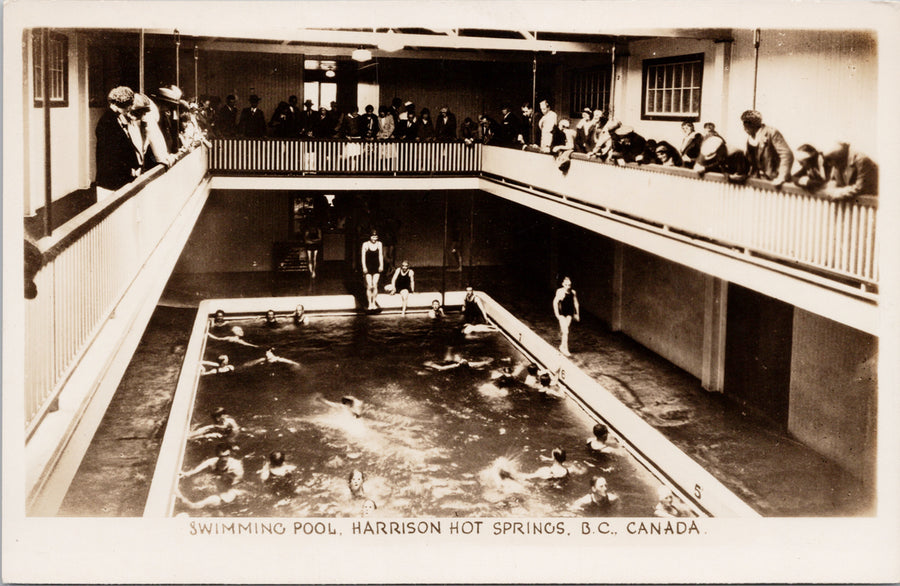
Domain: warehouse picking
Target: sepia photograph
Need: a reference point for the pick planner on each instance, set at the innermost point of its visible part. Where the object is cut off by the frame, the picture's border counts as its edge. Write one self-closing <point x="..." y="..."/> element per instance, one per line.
<point x="414" y="292"/>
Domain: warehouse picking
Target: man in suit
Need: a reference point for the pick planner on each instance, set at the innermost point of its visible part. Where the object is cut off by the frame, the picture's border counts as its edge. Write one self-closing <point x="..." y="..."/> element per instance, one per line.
<point x="226" y="123"/>
<point x="118" y="162"/>
<point x="253" y="121"/>
<point x="769" y="154"/>
<point x="445" y="125"/>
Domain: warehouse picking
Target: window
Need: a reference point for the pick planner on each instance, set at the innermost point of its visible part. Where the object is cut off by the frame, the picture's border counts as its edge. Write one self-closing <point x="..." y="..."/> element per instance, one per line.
<point x="589" y="89"/>
<point x="57" y="69"/>
<point x="672" y="88"/>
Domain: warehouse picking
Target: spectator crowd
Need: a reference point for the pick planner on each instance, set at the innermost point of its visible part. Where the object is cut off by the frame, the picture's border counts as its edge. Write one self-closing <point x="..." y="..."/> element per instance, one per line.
<point x="138" y="132"/>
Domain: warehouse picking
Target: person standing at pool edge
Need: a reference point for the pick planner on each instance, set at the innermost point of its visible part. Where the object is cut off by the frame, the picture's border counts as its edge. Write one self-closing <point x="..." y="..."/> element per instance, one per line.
<point x="565" y="306"/>
<point x="373" y="266"/>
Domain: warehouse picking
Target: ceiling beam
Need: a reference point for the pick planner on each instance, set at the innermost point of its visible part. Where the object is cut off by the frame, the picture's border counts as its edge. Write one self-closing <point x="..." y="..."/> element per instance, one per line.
<point x="371" y="39"/>
<point x="327" y="51"/>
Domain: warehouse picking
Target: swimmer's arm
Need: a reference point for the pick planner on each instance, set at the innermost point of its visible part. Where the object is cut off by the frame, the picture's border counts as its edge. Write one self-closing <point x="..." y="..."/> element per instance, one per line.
<point x="240" y="341"/>
<point x="394" y="281"/>
<point x="480" y="363"/>
<point x="577" y="316"/>
<point x="264" y="472"/>
<point x="200" y="468"/>
<point x="363" y="256"/>
<point x="209" y="363"/>
<point x="556" y="299"/>
<point x="412" y="281"/>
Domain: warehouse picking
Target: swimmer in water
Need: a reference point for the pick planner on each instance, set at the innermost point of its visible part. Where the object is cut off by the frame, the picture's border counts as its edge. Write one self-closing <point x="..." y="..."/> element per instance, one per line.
<point x="666" y="507"/>
<point x="601" y="442"/>
<point x="218" y="320"/>
<point x="228" y="473"/>
<point x="223" y="426"/>
<point x="549" y="386"/>
<point x="355" y="482"/>
<point x="436" y="310"/>
<point x="349" y="402"/>
<point x="277" y="475"/>
<point x="220" y="367"/>
<point x="531" y="379"/>
<point x="271" y="358"/>
<point x="368" y="508"/>
<point x="598" y="500"/>
<point x="555" y="470"/>
<point x="457" y="361"/>
<point x="271" y="319"/>
<point x="299" y="316"/>
<point x="237" y="336"/>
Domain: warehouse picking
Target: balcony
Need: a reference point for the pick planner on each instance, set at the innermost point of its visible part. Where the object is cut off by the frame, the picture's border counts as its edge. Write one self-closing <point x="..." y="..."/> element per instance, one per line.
<point x="832" y="242"/>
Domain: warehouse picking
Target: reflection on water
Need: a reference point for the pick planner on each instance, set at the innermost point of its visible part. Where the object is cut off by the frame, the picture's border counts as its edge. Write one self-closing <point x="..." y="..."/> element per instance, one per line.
<point x="429" y="442"/>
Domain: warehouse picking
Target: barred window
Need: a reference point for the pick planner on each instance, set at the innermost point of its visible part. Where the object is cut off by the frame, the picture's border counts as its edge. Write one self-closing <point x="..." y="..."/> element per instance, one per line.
<point x="672" y="88"/>
<point x="57" y="69"/>
<point x="589" y="89"/>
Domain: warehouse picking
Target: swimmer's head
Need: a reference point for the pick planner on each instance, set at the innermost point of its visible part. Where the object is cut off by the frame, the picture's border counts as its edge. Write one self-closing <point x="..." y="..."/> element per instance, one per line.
<point x="559" y="455"/>
<point x="435" y="304"/>
<point x="368" y="507"/>
<point x="469" y="289"/>
<point x="566" y="282"/>
<point x="276" y="459"/>
<point x="270" y="315"/>
<point x="532" y="369"/>
<point x="237" y="331"/>
<point x="373" y="235"/>
<point x="601" y="432"/>
<point x="223" y="451"/>
<point x="599" y="486"/>
<point x="220" y="315"/>
<point x="355" y="481"/>
<point x="218" y="413"/>
<point x="404" y="265"/>
<point x="299" y="310"/>
<point x="545" y="380"/>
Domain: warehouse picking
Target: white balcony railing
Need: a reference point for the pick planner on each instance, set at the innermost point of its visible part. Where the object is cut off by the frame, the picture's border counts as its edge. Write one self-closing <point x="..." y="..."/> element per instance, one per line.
<point x="89" y="264"/>
<point x="274" y="157"/>
<point x="836" y="238"/>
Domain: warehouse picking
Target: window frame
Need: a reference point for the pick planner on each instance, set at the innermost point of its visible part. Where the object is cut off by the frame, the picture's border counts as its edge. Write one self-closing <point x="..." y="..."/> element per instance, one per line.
<point x="647" y="64"/>
<point x="37" y="78"/>
<point x="602" y="74"/>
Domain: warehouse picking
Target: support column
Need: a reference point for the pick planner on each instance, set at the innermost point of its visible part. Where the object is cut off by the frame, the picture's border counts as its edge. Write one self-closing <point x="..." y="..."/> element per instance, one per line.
<point x="618" y="286"/>
<point x="714" y="326"/>
<point x="722" y="80"/>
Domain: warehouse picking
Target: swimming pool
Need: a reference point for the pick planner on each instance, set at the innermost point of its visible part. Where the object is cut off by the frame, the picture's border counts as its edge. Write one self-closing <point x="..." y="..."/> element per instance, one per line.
<point x="431" y="443"/>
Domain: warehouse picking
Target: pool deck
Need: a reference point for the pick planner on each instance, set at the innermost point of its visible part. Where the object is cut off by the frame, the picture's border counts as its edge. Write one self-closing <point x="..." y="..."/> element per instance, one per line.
<point x="761" y="464"/>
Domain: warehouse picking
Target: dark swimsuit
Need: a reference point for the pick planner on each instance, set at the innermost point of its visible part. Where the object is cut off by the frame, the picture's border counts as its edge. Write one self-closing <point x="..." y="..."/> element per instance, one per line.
<point x="403" y="281"/>
<point x="471" y="312"/>
<point x="567" y="304"/>
<point x="372" y="265"/>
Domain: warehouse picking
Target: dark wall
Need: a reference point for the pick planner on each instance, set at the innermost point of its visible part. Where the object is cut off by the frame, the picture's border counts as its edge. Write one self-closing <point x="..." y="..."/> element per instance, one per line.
<point x="468" y="88"/>
<point x="758" y="345"/>
<point x="237" y="230"/>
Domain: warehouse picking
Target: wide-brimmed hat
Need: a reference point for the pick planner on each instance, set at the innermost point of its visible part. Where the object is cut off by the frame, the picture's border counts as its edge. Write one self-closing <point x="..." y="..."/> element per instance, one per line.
<point x="171" y="94"/>
<point x="253" y="99"/>
<point x="622" y="130"/>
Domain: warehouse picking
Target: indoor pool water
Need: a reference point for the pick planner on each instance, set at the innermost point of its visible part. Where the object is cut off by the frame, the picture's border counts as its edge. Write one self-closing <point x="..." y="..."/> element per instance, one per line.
<point x="430" y="443"/>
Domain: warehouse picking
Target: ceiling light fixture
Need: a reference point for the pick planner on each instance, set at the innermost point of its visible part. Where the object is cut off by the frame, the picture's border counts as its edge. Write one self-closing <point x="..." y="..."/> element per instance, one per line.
<point x="390" y="42"/>
<point x="361" y="55"/>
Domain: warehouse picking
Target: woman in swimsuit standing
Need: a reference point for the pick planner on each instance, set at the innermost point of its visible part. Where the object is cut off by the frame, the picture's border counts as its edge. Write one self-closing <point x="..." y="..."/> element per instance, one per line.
<point x="373" y="266"/>
<point x="565" y="306"/>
